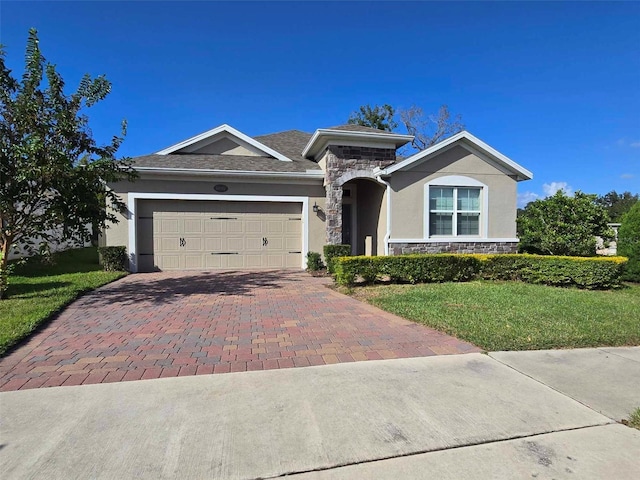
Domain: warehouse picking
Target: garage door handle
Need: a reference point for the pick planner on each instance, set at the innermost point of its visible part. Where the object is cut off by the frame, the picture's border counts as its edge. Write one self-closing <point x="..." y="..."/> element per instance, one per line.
<point x="182" y="242"/>
<point x="265" y="241"/>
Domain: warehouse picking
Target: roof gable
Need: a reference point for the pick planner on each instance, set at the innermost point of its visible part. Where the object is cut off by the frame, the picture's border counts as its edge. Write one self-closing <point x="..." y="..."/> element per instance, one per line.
<point x="222" y="136"/>
<point x="355" y="135"/>
<point x="470" y="143"/>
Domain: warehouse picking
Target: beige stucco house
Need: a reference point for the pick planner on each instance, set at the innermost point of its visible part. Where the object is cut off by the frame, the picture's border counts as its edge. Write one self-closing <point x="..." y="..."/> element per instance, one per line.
<point x="224" y="200"/>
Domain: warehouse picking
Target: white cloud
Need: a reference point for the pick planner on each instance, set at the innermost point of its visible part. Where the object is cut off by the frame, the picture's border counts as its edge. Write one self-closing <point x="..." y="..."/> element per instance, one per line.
<point x="627" y="175"/>
<point x="550" y="189"/>
<point x="526" y="197"/>
<point x="623" y="142"/>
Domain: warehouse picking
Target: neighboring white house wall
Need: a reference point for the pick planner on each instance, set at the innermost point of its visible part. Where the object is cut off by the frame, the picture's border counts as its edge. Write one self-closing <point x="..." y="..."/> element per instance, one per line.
<point x="55" y="246"/>
<point x="610" y="248"/>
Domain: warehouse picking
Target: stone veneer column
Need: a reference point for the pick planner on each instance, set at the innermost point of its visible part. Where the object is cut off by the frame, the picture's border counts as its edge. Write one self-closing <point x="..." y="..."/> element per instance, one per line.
<point x="334" y="214"/>
<point x="341" y="162"/>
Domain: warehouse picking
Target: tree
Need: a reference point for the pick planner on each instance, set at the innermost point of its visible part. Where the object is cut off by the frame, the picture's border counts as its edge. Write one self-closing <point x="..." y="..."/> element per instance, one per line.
<point x="53" y="173"/>
<point x="427" y="130"/>
<point x="430" y="129"/>
<point x="378" y="116"/>
<point x="617" y="204"/>
<point x="563" y="225"/>
<point x="629" y="242"/>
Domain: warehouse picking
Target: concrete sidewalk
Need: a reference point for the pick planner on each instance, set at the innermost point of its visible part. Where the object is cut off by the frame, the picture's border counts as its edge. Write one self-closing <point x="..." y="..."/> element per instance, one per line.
<point x="605" y="379"/>
<point x="468" y="414"/>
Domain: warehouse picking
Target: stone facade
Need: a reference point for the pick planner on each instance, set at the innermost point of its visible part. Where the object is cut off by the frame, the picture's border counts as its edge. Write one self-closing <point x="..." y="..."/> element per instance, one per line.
<point x="453" y="247"/>
<point x="346" y="163"/>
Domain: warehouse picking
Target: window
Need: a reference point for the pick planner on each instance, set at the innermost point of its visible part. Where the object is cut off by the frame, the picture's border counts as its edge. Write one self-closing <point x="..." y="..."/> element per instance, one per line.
<point x="454" y="211"/>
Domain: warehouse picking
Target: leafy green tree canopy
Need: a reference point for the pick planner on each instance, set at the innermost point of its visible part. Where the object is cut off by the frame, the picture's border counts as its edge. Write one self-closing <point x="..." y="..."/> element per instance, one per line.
<point x="629" y="242"/>
<point x="378" y="116"/>
<point x="52" y="171"/>
<point x="617" y="204"/>
<point x="563" y="225"/>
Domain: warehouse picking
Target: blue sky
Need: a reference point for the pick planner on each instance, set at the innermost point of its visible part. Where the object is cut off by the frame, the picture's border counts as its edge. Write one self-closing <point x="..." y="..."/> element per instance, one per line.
<point x="554" y="86"/>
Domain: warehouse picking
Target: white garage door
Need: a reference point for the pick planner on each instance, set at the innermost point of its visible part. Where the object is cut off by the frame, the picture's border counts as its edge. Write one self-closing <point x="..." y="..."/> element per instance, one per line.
<point x="183" y="235"/>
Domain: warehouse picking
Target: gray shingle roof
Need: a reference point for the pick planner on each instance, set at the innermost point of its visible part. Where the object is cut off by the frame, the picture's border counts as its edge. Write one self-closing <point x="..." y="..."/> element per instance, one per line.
<point x="224" y="162"/>
<point x="290" y="143"/>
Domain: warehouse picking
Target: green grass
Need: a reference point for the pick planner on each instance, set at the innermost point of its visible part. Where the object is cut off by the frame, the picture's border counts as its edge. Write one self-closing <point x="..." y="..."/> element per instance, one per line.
<point x="634" y="419"/>
<point x="37" y="291"/>
<point x="516" y="316"/>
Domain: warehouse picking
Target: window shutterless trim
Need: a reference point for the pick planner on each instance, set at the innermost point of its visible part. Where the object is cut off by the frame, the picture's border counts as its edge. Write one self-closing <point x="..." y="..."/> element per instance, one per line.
<point x="455" y="182"/>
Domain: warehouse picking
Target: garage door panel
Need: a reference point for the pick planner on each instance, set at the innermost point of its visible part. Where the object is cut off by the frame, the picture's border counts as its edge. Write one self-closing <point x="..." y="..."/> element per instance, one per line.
<point x="213" y="244"/>
<point x="275" y="226"/>
<point x="275" y="260"/>
<point x="193" y="261"/>
<point x="213" y="226"/>
<point x="219" y="235"/>
<point x="293" y="226"/>
<point x="235" y="261"/>
<point x="169" y="262"/>
<point x="169" y="225"/>
<point x="253" y="226"/>
<point x="254" y="261"/>
<point x="192" y="225"/>
<point x="213" y="261"/>
<point x="292" y="261"/>
<point x="292" y="244"/>
<point x="275" y="243"/>
<point x="234" y="226"/>
<point x="254" y="243"/>
<point x="235" y="244"/>
<point x="193" y="244"/>
<point x="169" y="244"/>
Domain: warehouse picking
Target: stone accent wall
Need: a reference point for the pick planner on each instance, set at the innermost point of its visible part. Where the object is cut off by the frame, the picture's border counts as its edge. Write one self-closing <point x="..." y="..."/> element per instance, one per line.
<point x="345" y="163"/>
<point x="453" y="247"/>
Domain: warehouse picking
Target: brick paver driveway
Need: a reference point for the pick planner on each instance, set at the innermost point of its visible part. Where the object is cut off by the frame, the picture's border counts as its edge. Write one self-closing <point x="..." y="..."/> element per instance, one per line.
<point x="172" y="324"/>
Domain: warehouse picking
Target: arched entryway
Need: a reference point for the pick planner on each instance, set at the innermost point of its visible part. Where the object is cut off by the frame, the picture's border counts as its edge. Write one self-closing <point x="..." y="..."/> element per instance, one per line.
<point x="364" y="216"/>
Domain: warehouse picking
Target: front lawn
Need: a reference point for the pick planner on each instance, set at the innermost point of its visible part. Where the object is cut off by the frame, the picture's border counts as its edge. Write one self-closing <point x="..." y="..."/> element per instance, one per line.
<point x="36" y="291"/>
<point x="516" y="316"/>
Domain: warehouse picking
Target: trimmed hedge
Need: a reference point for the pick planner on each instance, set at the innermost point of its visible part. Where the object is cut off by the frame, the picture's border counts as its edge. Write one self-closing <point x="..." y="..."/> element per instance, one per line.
<point x="582" y="272"/>
<point x="333" y="251"/>
<point x="113" y="259"/>
<point x="558" y="271"/>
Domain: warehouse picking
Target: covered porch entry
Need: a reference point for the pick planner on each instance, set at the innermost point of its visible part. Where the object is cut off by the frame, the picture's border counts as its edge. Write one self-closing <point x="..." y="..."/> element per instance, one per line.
<point x="364" y="216"/>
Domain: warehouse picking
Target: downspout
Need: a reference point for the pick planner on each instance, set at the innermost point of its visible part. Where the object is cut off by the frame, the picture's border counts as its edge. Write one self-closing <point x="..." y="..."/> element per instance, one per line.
<point x="387" y="237"/>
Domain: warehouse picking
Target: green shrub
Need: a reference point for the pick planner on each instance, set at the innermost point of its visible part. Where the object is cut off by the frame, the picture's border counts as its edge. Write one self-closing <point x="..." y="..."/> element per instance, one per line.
<point x="113" y="259"/>
<point x="582" y="272"/>
<point x="629" y="243"/>
<point x="314" y="262"/>
<point x="407" y="268"/>
<point x="333" y="251"/>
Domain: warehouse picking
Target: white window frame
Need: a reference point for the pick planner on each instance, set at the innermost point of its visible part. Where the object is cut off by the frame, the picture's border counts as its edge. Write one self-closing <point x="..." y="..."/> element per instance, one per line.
<point x="455" y="182"/>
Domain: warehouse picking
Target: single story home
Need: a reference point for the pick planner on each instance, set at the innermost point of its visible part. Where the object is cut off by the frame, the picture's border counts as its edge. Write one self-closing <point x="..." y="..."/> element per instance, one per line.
<point x="225" y="200"/>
